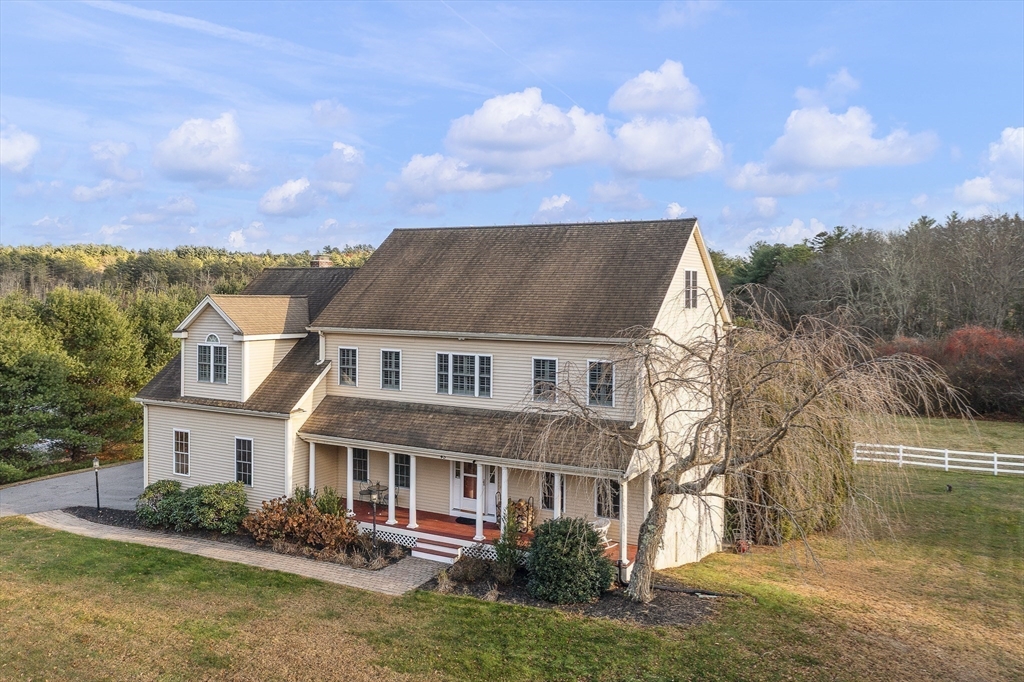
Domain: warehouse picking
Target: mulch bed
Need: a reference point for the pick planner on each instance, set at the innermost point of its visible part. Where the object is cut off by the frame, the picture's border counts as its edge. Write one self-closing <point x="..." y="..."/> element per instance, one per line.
<point x="125" y="518"/>
<point x="668" y="608"/>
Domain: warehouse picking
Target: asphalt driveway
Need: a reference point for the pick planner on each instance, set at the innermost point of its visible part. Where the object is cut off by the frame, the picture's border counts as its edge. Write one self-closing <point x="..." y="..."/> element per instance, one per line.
<point x="119" y="486"/>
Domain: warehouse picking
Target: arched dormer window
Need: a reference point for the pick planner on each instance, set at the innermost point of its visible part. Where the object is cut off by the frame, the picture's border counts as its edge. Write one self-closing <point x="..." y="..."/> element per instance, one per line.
<point x="212" y="338"/>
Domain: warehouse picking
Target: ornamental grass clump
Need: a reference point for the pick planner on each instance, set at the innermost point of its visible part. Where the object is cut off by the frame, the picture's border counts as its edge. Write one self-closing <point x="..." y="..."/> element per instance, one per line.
<point x="566" y="563"/>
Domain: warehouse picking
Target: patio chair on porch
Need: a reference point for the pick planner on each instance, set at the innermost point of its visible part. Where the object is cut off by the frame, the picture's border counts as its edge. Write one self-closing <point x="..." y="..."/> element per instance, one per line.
<point x="602" y="526"/>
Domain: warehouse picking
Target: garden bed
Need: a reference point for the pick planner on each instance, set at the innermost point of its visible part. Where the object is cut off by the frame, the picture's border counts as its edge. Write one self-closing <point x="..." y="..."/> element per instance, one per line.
<point x="669" y="608"/>
<point x="389" y="553"/>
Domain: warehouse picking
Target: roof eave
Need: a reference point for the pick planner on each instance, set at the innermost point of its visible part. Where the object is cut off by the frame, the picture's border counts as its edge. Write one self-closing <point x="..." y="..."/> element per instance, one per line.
<point x="478" y="335"/>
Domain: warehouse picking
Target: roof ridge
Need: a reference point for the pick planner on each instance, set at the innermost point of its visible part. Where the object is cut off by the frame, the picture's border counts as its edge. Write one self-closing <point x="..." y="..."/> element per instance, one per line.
<point x="604" y="223"/>
<point x="259" y="295"/>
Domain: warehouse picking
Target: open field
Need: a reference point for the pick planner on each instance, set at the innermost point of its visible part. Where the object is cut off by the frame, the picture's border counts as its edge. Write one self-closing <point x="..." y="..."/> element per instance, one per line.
<point x="941" y="600"/>
<point x="956" y="434"/>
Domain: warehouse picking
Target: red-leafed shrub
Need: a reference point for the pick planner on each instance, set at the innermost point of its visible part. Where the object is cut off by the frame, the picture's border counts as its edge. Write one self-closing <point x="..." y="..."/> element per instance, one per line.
<point x="987" y="364"/>
<point x="301" y="520"/>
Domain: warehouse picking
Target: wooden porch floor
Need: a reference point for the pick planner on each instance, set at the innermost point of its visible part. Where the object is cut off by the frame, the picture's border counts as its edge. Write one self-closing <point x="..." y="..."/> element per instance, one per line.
<point x="446" y="526"/>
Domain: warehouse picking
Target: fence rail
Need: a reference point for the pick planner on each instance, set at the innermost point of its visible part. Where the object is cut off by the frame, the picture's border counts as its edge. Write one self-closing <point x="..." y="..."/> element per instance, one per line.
<point x="947" y="460"/>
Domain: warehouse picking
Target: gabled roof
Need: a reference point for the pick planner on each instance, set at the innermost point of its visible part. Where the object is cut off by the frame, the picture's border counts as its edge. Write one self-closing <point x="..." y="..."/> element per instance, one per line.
<point x="278" y="393"/>
<point x="591" y="280"/>
<point x="256" y="315"/>
<point x="318" y="285"/>
<point x="520" y="436"/>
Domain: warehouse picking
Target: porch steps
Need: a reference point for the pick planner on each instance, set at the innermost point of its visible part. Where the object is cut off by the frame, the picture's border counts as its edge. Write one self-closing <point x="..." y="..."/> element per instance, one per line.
<point x="435" y="550"/>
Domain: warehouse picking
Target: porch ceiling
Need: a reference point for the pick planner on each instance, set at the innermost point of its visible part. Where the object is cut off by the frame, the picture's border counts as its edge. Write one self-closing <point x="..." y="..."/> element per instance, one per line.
<point x="524" y="437"/>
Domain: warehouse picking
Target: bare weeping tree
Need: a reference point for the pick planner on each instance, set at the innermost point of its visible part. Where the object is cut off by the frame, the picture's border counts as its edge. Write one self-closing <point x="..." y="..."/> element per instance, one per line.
<point x="756" y="410"/>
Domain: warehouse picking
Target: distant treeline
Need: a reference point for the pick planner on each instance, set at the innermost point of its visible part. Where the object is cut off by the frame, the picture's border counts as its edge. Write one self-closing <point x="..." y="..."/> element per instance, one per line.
<point x="37" y="270"/>
<point x="924" y="281"/>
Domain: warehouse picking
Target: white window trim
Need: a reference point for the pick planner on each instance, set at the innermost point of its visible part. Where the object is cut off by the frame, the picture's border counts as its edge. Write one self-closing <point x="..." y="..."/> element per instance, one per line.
<point x="476" y="374"/>
<point x="590" y="404"/>
<point x="533" y="379"/>
<point x="351" y="474"/>
<point x="686" y="290"/>
<point x="252" y="451"/>
<point x="227" y="363"/>
<point x="356" y="349"/>
<point x="561" y="482"/>
<point x="401" y="368"/>
<point x="597" y="483"/>
<point x="174" y="453"/>
<point x="401" y="487"/>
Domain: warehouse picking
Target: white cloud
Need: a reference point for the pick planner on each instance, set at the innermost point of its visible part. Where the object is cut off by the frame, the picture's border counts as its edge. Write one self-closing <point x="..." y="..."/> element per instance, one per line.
<point x="756" y="177"/>
<point x="239" y="239"/>
<point x="619" y="196"/>
<point x="920" y="201"/>
<point x="558" y="207"/>
<point x="330" y="114"/>
<point x="815" y="138"/>
<point x="685" y="14"/>
<point x="554" y="203"/>
<point x="522" y="132"/>
<point x="182" y="204"/>
<point x="821" y="56"/>
<point x="766" y="207"/>
<point x="674" y="210"/>
<point x="46" y="223"/>
<point x="109" y="157"/>
<point x="17" y="148"/>
<point x="675" y="148"/>
<point x="795" y="232"/>
<point x="665" y="91"/>
<point x="1005" y="179"/>
<point x="47" y="189"/>
<point x="339" y="169"/>
<point x="425" y="177"/>
<point x="327" y="225"/>
<point x="837" y="87"/>
<point x="108" y="231"/>
<point x="293" y="198"/>
<point x="204" y="151"/>
<point x="105" y="189"/>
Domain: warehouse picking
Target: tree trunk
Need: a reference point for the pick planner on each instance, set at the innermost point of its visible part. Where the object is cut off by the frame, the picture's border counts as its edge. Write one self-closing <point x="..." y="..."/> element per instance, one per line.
<point x="652" y="530"/>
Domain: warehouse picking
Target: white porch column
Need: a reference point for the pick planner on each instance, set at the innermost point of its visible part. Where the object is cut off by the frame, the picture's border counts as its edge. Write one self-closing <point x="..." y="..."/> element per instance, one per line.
<point x="647" y="494"/>
<point x="623" y="515"/>
<point x="557" y="511"/>
<point x="349" y="492"/>
<point x="504" y="497"/>
<point x="312" y="465"/>
<point x="391" y="490"/>
<point x="412" y="492"/>
<point x="480" y="488"/>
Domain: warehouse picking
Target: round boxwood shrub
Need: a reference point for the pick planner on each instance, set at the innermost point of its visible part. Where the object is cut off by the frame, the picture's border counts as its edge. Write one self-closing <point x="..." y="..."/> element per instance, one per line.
<point x="154" y="506"/>
<point x="566" y="563"/>
<point x="220" y="506"/>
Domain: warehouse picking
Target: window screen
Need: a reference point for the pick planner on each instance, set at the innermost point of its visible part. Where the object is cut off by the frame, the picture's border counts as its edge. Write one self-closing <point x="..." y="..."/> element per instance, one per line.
<point x="391" y="369"/>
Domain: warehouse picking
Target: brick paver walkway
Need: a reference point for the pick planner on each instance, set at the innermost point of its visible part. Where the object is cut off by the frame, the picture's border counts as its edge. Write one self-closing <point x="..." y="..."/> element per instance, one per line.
<point x="396" y="579"/>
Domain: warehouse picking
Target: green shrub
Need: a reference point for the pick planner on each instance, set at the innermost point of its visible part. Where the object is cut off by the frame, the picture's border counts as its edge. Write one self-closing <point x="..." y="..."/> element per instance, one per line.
<point x="10" y="473"/>
<point x="566" y="563"/>
<point x="220" y="506"/>
<point x="509" y="548"/>
<point x="328" y="501"/>
<point x="153" y="506"/>
<point x="179" y="509"/>
<point x="303" y="493"/>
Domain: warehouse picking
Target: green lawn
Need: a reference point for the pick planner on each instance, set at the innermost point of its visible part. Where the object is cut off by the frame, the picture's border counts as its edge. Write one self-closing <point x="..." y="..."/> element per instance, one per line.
<point x="940" y="600"/>
<point x="956" y="434"/>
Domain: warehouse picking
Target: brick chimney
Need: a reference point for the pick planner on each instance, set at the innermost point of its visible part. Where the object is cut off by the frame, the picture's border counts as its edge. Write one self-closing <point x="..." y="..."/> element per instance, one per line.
<point x="321" y="260"/>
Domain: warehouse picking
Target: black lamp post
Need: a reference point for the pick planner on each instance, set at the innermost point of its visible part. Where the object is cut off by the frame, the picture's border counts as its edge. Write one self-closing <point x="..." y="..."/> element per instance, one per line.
<point x="96" y="468"/>
<point x="376" y="493"/>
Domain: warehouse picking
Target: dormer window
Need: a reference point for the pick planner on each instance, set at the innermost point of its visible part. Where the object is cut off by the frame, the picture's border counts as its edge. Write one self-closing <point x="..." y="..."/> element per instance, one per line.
<point x="213" y="361"/>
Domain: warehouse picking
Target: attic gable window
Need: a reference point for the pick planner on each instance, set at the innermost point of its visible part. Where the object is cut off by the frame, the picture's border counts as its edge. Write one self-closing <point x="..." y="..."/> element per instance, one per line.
<point x="689" y="288"/>
<point x="212" y="359"/>
<point x="601" y="383"/>
<point x="459" y="374"/>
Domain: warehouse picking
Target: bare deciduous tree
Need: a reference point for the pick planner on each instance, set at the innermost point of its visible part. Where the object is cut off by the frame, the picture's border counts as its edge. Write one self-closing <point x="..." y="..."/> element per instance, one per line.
<point x="754" y="403"/>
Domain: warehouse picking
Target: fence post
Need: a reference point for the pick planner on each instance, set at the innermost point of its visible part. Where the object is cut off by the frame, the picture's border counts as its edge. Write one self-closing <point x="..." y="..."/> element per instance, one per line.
<point x="901" y="456"/>
<point x="945" y="459"/>
<point x="995" y="463"/>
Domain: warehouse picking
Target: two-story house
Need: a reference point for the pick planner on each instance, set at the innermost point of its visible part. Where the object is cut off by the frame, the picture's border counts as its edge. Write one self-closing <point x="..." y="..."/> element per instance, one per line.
<point x="436" y="371"/>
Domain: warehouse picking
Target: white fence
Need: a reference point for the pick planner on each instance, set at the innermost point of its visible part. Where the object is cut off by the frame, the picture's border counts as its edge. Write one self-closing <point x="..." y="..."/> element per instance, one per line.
<point x="947" y="460"/>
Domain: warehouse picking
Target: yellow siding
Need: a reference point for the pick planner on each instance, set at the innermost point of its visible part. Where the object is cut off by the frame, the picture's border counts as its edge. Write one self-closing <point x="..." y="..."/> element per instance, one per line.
<point x="300" y="448"/>
<point x="263" y="357"/>
<point x="212" y="440"/>
<point x="328" y="466"/>
<point x="209" y="322"/>
<point x="512" y="370"/>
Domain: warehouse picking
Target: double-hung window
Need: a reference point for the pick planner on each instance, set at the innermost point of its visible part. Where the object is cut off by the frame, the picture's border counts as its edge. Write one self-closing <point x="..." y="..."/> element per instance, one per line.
<point x="545" y="378"/>
<point x="547" y="491"/>
<point x="607" y="505"/>
<point x="181" y="452"/>
<point x="213" y="361"/>
<point x="689" y="288"/>
<point x="347" y="366"/>
<point x="600" y="383"/>
<point x="461" y="374"/>
<point x="403" y="470"/>
<point x="243" y="460"/>
<point x="360" y="465"/>
<point x="391" y="369"/>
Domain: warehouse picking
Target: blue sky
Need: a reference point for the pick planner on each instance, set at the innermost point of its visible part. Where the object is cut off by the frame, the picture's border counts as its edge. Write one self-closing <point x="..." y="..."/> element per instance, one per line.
<point x="287" y="126"/>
